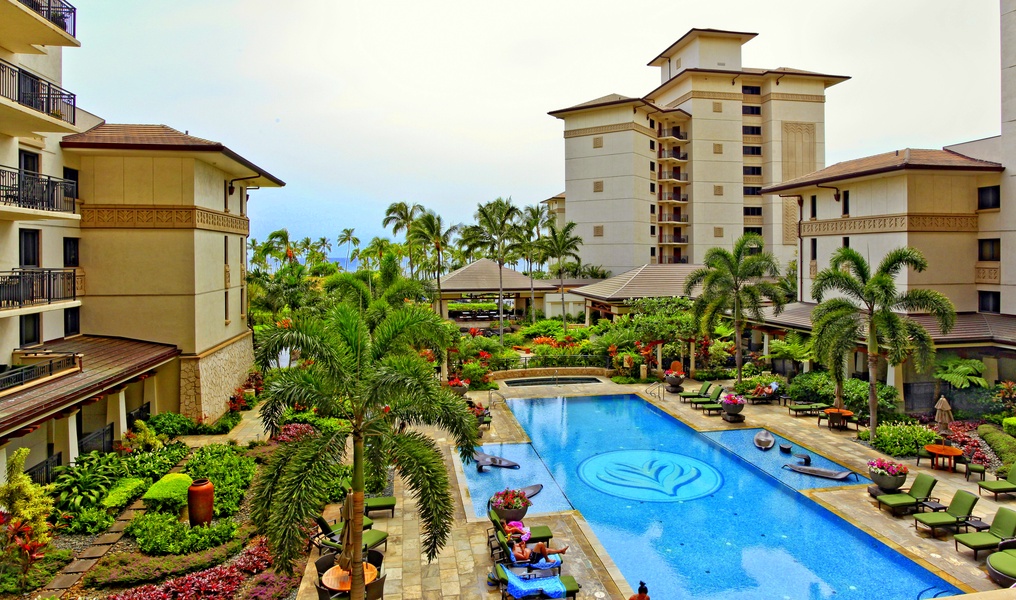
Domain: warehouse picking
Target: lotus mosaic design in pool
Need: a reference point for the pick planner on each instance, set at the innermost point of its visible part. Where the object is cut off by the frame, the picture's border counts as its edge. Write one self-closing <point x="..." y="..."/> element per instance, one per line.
<point x="687" y="515"/>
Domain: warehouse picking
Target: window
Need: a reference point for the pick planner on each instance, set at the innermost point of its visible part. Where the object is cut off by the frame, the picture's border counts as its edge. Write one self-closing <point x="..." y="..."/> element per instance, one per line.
<point x="243" y="300"/>
<point x="751" y="130"/>
<point x="72" y="321"/>
<point x="814" y="207"/>
<point x="752" y="170"/>
<point x="846" y="242"/>
<point x="753" y="150"/>
<point x="652" y="209"/>
<point x="70" y="190"/>
<point x="753" y="211"/>
<point x="652" y="166"/>
<point x="814" y="248"/>
<point x="751" y="90"/>
<point x="225" y="249"/>
<point x="652" y="252"/>
<point x="751" y="110"/>
<point x="989" y="249"/>
<point x="29" y="249"/>
<point x="846" y="203"/>
<point x="752" y="191"/>
<point x="225" y="196"/>
<point x="989" y="302"/>
<point x="28" y="161"/>
<point x="652" y="230"/>
<point x="31" y="329"/>
<point x="757" y="230"/>
<point x="70" y="258"/>
<point x="652" y="123"/>
<point x="227" y="306"/>
<point x="652" y="188"/>
<point x="652" y="144"/>
<point x="988" y="197"/>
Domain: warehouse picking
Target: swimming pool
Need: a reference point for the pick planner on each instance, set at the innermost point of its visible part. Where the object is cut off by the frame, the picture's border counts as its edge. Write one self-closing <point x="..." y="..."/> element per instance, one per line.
<point x="550" y="380"/>
<point x="680" y="511"/>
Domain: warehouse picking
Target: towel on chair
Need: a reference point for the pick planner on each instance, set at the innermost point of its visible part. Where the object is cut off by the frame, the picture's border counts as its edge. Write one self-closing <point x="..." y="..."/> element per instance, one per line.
<point x="518" y="587"/>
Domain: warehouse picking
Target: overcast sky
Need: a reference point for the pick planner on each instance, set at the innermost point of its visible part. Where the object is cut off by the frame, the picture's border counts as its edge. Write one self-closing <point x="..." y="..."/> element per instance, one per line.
<point x="357" y="105"/>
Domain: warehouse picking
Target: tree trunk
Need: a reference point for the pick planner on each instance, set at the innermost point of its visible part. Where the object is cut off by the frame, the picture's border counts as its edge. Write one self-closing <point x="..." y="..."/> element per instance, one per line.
<point x="532" y="293"/>
<point x="839" y="392"/>
<point x="356" y="581"/>
<point x="737" y="349"/>
<point x="500" y="300"/>
<point x="872" y="380"/>
<point x="439" y="283"/>
<point x="564" y="313"/>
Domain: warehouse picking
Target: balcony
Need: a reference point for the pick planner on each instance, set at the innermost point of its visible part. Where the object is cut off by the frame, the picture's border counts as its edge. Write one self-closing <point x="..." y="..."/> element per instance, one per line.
<point x="668" y="155"/>
<point x="672" y="132"/>
<point x="673" y="239"/>
<point x="988" y="272"/>
<point x="34" y="192"/>
<point x="31" y="287"/>
<point x="672" y="197"/>
<point x="54" y="364"/>
<point x="673" y="176"/>
<point x="673" y="260"/>
<point x="673" y="218"/>
<point x="25" y="25"/>
<point x="51" y="108"/>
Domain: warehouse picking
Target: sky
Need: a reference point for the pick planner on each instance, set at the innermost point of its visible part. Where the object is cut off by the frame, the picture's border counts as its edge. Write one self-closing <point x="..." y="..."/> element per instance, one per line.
<point x="444" y="103"/>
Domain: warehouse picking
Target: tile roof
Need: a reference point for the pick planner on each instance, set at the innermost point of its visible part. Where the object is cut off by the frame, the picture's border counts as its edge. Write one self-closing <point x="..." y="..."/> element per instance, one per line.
<point x="908" y="158"/>
<point x="105" y="362"/>
<point x="647" y="281"/>
<point x="481" y="276"/>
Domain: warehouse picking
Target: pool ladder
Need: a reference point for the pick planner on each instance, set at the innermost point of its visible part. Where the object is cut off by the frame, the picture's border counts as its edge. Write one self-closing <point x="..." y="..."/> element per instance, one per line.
<point x="491" y="394"/>
<point x="656" y="390"/>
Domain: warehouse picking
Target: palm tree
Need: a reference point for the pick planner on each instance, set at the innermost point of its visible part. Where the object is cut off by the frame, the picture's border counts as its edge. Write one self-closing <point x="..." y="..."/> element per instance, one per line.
<point x="400" y="216"/>
<point x="430" y="232"/>
<point x="561" y="244"/>
<point x="373" y="379"/>
<point x="280" y="246"/>
<point x="347" y="238"/>
<point x="873" y="301"/>
<point x="834" y="338"/>
<point x="494" y="234"/>
<point x="374" y="249"/>
<point x="735" y="282"/>
<point x="529" y="236"/>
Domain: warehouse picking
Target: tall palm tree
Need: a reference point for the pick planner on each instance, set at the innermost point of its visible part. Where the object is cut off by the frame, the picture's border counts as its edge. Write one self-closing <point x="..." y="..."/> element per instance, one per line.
<point x="373" y="379"/>
<point x="493" y="233"/>
<point x="835" y="336"/>
<point x="372" y="252"/>
<point x="872" y="300"/>
<point x="350" y="240"/>
<point x="529" y="236"/>
<point x="280" y="246"/>
<point x="735" y="282"/>
<point x="561" y="244"/>
<point x="429" y="231"/>
<point x="400" y="217"/>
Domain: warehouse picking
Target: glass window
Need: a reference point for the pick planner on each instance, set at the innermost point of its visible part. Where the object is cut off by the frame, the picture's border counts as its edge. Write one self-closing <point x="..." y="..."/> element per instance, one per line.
<point x="751" y="90"/>
<point x="753" y="211"/>
<point x="845" y="201"/>
<point x="814" y="249"/>
<point x="31" y="330"/>
<point x="752" y="191"/>
<point x="70" y="258"/>
<point x="652" y="188"/>
<point x="846" y="242"/>
<point x="988" y="197"/>
<point x="29" y="249"/>
<point x="652" y="144"/>
<point x="814" y="207"/>
<point x="989" y="250"/>
<point x="752" y="170"/>
<point x="989" y="302"/>
<point x="652" y="165"/>
<point x="751" y="110"/>
<point x="751" y="130"/>
<point x="757" y="230"/>
<point x="652" y="252"/>
<point x="652" y="230"/>
<point x="753" y="151"/>
<point x="72" y="321"/>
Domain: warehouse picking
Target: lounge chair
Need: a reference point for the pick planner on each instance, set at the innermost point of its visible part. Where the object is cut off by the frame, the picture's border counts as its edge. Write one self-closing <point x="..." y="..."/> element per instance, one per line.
<point x="702" y="392"/>
<point x="333" y="530"/>
<point x="539" y="533"/>
<point x="504" y="555"/>
<point x="518" y="586"/>
<point x="1001" y="486"/>
<point x="1003" y="526"/>
<point x="957" y="513"/>
<point x="1002" y="564"/>
<point x="971" y="466"/>
<point x="806" y="409"/>
<point x="372" y="538"/>
<point x="765" y="398"/>
<point x="382" y="503"/>
<point x="714" y="397"/>
<point x="919" y="491"/>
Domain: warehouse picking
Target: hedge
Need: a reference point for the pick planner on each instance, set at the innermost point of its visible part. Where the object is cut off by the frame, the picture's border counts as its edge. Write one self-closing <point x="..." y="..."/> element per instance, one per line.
<point x="229" y="470"/>
<point x="903" y="440"/>
<point x="163" y="533"/>
<point x="1009" y="425"/>
<point x="168" y="494"/>
<point x="1002" y="444"/>
<point x="125" y="490"/>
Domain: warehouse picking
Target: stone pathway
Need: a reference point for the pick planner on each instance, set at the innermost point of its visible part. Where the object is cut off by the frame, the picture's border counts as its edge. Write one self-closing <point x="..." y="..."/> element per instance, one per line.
<point x="249" y="429"/>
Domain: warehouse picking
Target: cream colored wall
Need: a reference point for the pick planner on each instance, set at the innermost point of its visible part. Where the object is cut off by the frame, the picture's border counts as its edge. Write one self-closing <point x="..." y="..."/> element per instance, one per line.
<point x="137" y="180"/>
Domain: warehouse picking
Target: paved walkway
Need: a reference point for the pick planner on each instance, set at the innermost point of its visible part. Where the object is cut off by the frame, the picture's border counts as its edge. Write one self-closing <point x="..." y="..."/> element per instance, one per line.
<point x="249" y="429"/>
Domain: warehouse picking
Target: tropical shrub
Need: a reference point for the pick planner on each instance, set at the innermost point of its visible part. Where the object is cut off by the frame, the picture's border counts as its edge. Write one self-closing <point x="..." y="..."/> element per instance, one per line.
<point x="142" y="439"/>
<point x="476" y="373"/>
<point x="163" y="533"/>
<point x="24" y="500"/>
<point x="1002" y="444"/>
<point x="153" y="465"/>
<point x="171" y="424"/>
<point x="89" y="520"/>
<point x="271" y="586"/>
<point x="229" y="471"/>
<point x="546" y="328"/>
<point x="1009" y="425"/>
<point x="85" y="483"/>
<point x="223" y="425"/>
<point x="40" y="573"/>
<point x="309" y="417"/>
<point x="748" y="385"/>
<point x="714" y="374"/>
<point x="903" y="440"/>
<point x="169" y="494"/>
<point x="124" y="492"/>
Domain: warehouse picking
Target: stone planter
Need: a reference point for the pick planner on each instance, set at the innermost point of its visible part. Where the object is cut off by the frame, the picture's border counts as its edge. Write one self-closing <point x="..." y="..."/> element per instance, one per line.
<point x="514" y="514"/>
<point x="674" y="383"/>
<point x="733" y="409"/>
<point x="887" y="483"/>
<point x="459" y="389"/>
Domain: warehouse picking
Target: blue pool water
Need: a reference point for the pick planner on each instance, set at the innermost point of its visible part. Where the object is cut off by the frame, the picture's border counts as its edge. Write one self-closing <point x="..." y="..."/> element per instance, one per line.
<point x="678" y="510"/>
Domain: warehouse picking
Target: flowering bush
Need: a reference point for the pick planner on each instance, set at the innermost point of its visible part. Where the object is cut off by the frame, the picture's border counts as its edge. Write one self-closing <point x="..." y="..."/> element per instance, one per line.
<point x="295" y="432"/>
<point x="882" y="466"/>
<point x="732" y="399"/>
<point x="510" y="500"/>
<point x="678" y="372"/>
<point x="271" y="586"/>
<point x="255" y="558"/>
<point x="456" y="382"/>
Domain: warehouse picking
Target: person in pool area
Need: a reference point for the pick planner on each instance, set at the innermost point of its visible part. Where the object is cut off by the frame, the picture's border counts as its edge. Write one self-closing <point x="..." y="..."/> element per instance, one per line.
<point x="643" y="592"/>
<point x="539" y="552"/>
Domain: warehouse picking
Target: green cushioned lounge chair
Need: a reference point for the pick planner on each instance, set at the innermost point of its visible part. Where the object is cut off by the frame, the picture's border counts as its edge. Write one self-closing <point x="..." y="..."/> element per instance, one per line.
<point x="571" y="587"/>
<point x="1003" y="526"/>
<point x="539" y="533"/>
<point x="1002" y="564"/>
<point x="971" y="466"/>
<point x="801" y="409"/>
<point x="960" y="509"/>
<point x="333" y="530"/>
<point x="712" y="408"/>
<point x="702" y="392"/>
<point x="372" y="538"/>
<point x="1001" y="486"/>
<point x="714" y="397"/>
<point x="919" y="491"/>
<point x="506" y="556"/>
<point x="383" y="503"/>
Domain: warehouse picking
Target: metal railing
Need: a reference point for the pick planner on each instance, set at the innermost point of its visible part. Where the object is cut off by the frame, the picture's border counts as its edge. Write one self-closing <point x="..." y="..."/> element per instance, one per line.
<point x="57" y="12"/>
<point x="673" y="260"/>
<point x="539" y="362"/>
<point x="36" y="93"/>
<point x="673" y="239"/>
<point x="673" y="218"/>
<point x="674" y="175"/>
<point x="41" y="192"/>
<point x="656" y="390"/>
<point x="97" y="441"/>
<point x="141" y="413"/>
<point x="28" y="287"/>
<point x="671" y="197"/>
<point x="23" y="374"/>
<point x="673" y="154"/>
<point x="672" y="132"/>
<point x="42" y="473"/>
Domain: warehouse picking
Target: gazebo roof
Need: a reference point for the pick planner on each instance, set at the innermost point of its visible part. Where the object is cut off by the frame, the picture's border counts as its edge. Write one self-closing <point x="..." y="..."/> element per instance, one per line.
<point x="647" y="281"/>
<point x="482" y="276"/>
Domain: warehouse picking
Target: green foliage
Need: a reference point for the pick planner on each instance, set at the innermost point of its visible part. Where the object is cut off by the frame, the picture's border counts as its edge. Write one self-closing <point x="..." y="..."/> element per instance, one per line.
<point x="627" y="363"/>
<point x="90" y="520"/>
<point x="818" y="386"/>
<point x="171" y="424"/>
<point x="168" y="494"/>
<point x="714" y="374"/>
<point x="902" y="440"/>
<point x="855" y="397"/>
<point x="548" y="328"/>
<point x="475" y="372"/>
<point x="719" y="352"/>
<point x="23" y="499"/>
<point x="1009" y="425"/>
<point x="472" y="306"/>
<point x="514" y="339"/>
<point x="793" y="347"/>
<point x="959" y="372"/>
<point x="623" y="380"/>
<point x="229" y="470"/>
<point x="1002" y="444"/>
<point x="341" y="483"/>
<point x="153" y="465"/>
<point x="124" y="492"/>
<point x="85" y="483"/>
<point x="162" y="533"/>
<point x="223" y="425"/>
<point x="507" y="359"/>
<point x="40" y="574"/>
<point x="144" y="438"/>
<point x="747" y="386"/>
<point x="309" y="417"/>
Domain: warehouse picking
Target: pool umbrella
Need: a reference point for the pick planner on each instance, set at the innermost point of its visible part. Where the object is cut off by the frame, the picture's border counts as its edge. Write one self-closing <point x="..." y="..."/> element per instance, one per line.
<point x="345" y="558"/>
<point x="943" y="415"/>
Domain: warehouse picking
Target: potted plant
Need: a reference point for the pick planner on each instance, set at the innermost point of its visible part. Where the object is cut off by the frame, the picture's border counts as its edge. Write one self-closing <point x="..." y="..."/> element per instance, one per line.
<point x="674" y="377"/>
<point x="510" y="505"/>
<point x="889" y="476"/>
<point x="732" y="403"/>
<point x="459" y="386"/>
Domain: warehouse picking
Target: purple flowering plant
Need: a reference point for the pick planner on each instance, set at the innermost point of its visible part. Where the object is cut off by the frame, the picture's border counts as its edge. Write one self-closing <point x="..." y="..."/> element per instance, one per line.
<point x="732" y="399"/>
<point x="884" y="466"/>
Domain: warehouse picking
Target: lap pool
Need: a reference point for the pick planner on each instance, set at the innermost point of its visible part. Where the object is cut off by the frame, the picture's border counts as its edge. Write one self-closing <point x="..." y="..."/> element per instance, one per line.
<point x="683" y="512"/>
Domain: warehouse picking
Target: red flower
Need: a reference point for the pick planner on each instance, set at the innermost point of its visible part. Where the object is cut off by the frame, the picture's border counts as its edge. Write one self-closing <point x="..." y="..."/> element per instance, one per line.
<point x="387" y="409"/>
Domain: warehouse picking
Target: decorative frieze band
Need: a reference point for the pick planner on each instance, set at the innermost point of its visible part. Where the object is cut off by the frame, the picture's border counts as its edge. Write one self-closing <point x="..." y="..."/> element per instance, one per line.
<point x="705" y="95"/>
<point x="753" y="221"/>
<point x="610" y="129"/>
<point x="891" y="224"/>
<point x="794" y="97"/>
<point x="97" y="216"/>
<point x="988" y="272"/>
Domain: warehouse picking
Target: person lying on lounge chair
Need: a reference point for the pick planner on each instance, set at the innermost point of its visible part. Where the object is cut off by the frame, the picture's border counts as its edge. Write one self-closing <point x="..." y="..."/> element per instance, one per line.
<point x="539" y="552"/>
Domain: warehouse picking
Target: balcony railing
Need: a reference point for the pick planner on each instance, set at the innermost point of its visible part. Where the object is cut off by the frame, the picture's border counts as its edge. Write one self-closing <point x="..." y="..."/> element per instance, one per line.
<point x="673" y="239"/>
<point x="673" y="132"/>
<point x="141" y="413"/>
<point x="23" y="374"/>
<point x="673" y="260"/>
<point x="671" y="197"/>
<point x="673" y="218"/>
<point x="57" y="12"/>
<point x="36" y="93"/>
<point x="29" y="287"/>
<point x="674" y="175"/>
<point x="672" y="154"/>
<point x="41" y="192"/>
<point x="42" y="473"/>
<point x="100" y="441"/>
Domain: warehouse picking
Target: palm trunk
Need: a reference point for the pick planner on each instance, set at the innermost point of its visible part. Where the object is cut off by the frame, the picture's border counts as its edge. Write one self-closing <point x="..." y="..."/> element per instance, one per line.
<point x="839" y="392"/>
<point x="411" y="274"/>
<point x="532" y="292"/>
<point x="737" y="349"/>
<point x="500" y="300"/>
<point x="348" y="244"/>
<point x="356" y="581"/>
<point x="564" y="313"/>
<point x="439" y="283"/>
<point x="872" y="380"/>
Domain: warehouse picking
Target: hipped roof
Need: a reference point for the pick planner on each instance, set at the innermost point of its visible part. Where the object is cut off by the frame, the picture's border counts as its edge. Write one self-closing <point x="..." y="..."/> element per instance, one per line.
<point x="647" y="281"/>
<point x="481" y="276"/>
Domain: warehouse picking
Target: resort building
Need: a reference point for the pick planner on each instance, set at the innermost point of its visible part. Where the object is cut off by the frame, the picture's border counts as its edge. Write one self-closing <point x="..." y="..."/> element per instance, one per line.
<point x="122" y="259"/>
<point x="661" y="178"/>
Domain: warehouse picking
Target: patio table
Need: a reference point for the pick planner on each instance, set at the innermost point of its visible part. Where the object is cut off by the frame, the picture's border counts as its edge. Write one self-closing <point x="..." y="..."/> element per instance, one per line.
<point x="337" y="578"/>
<point x="937" y="450"/>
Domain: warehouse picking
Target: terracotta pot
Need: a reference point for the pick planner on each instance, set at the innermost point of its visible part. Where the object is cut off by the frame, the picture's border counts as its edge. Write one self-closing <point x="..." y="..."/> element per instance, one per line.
<point x="200" y="498"/>
<point x="887" y="483"/>
<point x="733" y="409"/>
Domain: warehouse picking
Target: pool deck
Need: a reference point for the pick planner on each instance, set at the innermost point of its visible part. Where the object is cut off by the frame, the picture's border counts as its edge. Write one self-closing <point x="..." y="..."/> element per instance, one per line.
<point x="460" y="571"/>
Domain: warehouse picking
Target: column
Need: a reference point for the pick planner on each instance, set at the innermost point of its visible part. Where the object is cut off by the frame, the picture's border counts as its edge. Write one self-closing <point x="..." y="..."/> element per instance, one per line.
<point x="150" y="394"/>
<point x="65" y="438"/>
<point x="806" y="366"/>
<point x="3" y="464"/>
<point x="990" y="369"/>
<point x="894" y="378"/>
<point x="116" y="413"/>
<point x="691" y="351"/>
<point x="765" y="343"/>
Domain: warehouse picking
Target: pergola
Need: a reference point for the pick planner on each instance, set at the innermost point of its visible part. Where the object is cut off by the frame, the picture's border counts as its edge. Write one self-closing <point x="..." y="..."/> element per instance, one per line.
<point x="479" y="280"/>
